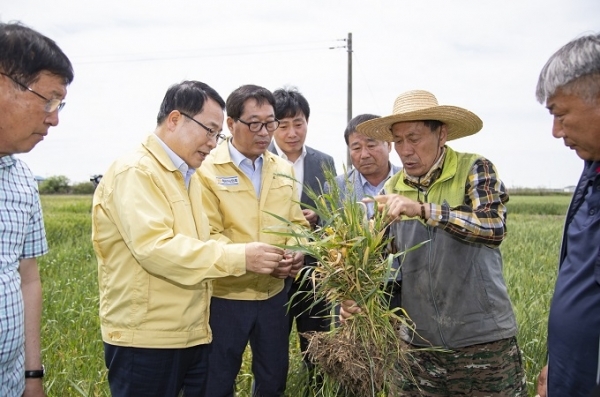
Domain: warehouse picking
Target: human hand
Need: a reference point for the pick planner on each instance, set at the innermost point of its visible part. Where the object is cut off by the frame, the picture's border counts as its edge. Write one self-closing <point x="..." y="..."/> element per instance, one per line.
<point x="282" y="271"/>
<point x="310" y="216"/>
<point x="396" y="205"/>
<point x="262" y="258"/>
<point x="542" y="382"/>
<point x="347" y="309"/>
<point x="34" y="388"/>
<point x="297" y="263"/>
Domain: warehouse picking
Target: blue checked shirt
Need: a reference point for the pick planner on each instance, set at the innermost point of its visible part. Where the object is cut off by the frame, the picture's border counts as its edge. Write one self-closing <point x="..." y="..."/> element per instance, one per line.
<point x="22" y="235"/>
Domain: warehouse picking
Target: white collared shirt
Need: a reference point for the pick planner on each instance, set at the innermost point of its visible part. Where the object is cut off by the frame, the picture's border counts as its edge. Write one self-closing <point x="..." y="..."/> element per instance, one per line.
<point x="298" y="165"/>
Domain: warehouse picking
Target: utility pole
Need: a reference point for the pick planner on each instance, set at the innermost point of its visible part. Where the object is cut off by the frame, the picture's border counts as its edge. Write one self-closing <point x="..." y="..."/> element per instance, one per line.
<point x="349" y="48"/>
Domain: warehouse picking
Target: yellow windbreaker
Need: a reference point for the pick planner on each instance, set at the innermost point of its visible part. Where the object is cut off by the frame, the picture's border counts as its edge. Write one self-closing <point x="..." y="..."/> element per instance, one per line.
<point x="236" y="215"/>
<point x="155" y="258"/>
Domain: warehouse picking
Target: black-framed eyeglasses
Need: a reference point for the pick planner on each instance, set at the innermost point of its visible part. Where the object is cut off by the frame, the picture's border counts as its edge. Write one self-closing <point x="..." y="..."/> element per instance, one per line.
<point x="209" y="131"/>
<point x="256" y="126"/>
<point x="51" y="104"/>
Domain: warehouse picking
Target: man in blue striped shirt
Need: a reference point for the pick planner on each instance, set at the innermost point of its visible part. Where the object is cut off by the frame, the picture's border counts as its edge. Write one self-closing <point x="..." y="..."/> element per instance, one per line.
<point x="34" y="74"/>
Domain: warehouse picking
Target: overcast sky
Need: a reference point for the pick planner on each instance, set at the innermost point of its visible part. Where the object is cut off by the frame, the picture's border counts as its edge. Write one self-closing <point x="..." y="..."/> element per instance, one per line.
<point x="481" y="55"/>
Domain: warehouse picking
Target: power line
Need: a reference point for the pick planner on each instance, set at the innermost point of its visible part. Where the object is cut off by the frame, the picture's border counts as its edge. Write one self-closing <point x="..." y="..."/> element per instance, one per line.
<point x="205" y="53"/>
<point x="364" y="76"/>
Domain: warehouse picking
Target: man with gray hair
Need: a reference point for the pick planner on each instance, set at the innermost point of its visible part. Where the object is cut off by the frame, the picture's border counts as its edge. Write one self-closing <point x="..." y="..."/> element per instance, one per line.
<point x="370" y="161"/>
<point x="569" y="83"/>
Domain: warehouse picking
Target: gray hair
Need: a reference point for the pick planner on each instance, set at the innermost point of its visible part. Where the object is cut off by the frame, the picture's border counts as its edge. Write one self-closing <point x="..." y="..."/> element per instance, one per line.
<point x="574" y="69"/>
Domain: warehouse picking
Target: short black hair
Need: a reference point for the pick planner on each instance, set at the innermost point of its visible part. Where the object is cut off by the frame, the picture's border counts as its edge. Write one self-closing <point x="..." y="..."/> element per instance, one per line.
<point x="188" y="97"/>
<point x="433" y="124"/>
<point x="239" y="96"/>
<point x="289" y="102"/>
<point x="25" y="53"/>
<point x="352" y="124"/>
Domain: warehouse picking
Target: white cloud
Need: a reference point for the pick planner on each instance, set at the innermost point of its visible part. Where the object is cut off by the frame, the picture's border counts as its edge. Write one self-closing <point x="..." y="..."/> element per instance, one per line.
<point x="484" y="56"/>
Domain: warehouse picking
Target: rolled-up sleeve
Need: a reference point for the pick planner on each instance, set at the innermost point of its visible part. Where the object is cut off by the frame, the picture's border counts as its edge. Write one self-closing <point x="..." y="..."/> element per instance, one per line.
<point x="482" y="217"/>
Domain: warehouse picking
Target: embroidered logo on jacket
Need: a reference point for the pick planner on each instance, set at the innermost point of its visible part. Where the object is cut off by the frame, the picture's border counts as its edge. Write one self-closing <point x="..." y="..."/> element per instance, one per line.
<point x="228" y="180"/>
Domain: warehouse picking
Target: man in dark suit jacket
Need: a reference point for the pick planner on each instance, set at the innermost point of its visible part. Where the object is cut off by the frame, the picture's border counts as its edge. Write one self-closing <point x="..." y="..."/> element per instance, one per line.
<point x="293" y="111"/>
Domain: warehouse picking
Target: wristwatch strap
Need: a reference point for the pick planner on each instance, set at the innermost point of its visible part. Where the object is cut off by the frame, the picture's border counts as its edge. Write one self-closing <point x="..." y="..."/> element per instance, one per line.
<point x="38" y="373"/>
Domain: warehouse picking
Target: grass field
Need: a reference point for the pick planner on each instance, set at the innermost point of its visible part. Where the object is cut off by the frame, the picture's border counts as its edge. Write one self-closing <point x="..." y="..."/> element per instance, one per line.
<point x="72" y="348"/>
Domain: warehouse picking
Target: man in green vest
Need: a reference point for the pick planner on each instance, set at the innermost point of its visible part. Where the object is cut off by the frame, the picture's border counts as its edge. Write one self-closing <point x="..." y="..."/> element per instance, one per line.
<point x="452" y="286"/>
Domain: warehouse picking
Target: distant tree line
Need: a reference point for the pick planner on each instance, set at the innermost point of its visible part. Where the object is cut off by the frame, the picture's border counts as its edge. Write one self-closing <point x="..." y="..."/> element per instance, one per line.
<point x="60" y="184"/>
<point x="539" y="191"/>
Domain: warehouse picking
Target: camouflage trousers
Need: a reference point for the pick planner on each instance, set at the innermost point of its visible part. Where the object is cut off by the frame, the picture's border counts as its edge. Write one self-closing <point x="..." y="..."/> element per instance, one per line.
<point x="489" y="369"/>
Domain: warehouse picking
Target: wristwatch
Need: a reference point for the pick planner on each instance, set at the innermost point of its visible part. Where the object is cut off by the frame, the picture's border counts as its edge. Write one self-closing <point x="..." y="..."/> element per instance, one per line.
<point x="38" y="373"/>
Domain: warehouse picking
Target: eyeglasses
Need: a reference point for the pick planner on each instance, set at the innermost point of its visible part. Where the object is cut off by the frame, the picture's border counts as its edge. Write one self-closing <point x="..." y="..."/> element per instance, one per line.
<point x="256" y="126"/>
<point x="51" y="104"/>
<point x="209" y="131"/>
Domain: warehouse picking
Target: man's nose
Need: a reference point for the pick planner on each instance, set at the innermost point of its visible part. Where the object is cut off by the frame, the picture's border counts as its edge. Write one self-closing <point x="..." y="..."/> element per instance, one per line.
<point x="262" y="131"/>
<point x="404" y="150"/>
<point x="52" y="118"/>
<point x="365" y="153"/>
<point x="557" y="129"/>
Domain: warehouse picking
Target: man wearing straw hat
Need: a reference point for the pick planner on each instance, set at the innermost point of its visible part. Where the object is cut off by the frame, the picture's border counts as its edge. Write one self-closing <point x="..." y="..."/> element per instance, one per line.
<point x="453" y="289"/>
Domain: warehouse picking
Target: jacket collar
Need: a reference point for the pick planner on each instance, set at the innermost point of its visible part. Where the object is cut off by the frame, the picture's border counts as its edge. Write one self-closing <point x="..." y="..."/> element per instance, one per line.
<point x="155" y="148"/>
<point x="221" y="154"/>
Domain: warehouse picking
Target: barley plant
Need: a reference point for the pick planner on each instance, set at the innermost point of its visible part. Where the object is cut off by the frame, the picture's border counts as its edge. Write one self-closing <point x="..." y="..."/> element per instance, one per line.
<point x="364" y="356"/>
<point x="72" y="346"/>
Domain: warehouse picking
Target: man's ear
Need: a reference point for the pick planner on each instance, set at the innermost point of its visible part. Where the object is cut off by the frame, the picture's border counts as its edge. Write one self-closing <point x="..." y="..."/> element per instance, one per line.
<point x="173" y="119"/>
<point x="443" y="135"/>
<point x="230" y="123"/>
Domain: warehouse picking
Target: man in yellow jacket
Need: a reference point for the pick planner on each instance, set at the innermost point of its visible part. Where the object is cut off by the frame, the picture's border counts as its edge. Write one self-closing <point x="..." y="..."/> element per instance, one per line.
<point x="245" y="186"/>
<point x="155" y="259"/>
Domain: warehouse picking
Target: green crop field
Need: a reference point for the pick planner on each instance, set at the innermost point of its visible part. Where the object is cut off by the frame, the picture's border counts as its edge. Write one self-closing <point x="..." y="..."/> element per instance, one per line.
<point x="72" y="347"/>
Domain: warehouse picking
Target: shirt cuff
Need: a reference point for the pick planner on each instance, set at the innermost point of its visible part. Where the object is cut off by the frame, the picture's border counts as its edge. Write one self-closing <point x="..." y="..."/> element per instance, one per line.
<point x="437" y="214"/>
<point x="234" y="259"/>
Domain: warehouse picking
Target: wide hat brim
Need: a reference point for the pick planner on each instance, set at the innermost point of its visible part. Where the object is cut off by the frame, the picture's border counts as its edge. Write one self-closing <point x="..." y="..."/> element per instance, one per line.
<point x="420" y="106"/>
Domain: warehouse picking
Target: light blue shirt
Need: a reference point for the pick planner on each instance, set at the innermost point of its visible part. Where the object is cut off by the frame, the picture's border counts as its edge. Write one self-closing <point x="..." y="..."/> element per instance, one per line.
<point x="371" y="190"/>
<point x="178" y="162"/>
<point x="252" y="170"/>
<point x="22" y="235"/>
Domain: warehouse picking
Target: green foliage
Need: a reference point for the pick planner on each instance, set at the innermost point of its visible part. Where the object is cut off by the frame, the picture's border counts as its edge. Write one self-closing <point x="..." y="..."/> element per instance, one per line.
<point x="538" y="205"/>
<point x="83" y="188"/>
<point x="71" y="341"/>
<point x="527" y="191"/>
<point x="530" y="254"/>
<point x="55" y="185"/>
<point x="364" y="356"/>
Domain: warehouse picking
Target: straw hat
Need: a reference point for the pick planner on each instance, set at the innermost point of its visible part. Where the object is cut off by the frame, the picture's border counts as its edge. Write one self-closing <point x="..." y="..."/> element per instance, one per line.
<point x="421" y="105"/>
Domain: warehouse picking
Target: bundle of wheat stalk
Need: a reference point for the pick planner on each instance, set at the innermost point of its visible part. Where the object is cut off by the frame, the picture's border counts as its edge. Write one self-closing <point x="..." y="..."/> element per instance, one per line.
<point x="365" y="355"/>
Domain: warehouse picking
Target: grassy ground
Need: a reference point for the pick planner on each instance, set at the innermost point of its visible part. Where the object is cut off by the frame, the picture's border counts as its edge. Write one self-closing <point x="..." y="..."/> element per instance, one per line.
<point x="73" y="352"/>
